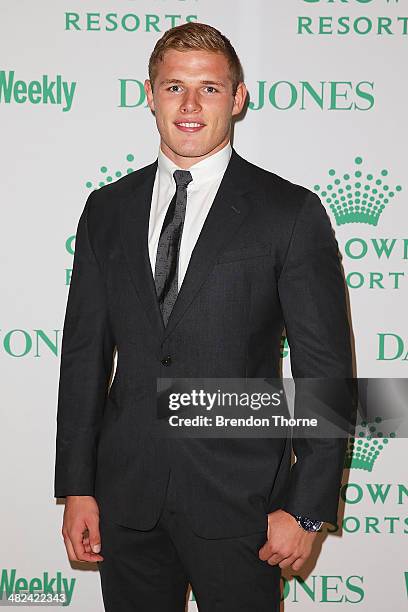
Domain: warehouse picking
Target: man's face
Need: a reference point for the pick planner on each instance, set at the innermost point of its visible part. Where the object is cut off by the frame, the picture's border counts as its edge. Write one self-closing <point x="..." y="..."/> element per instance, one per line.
<point x="193" y="104"/>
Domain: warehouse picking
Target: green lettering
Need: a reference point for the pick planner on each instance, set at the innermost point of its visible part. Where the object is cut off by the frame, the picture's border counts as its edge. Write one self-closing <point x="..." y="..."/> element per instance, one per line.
<point x="20" y="92"/>
<point x="334" y="94"/>
<point x="34" y="92"/>
<point x="93" y="19"/>
<point x="71" y="19"/>
<point x="112" y="19"/>
<point x="152" y="20"/>
<point x="364" y="95"/>
<point x="306" y="86"/>
<point x="123" y="93"/>
<point x="293" y="92"/>
<point x="132" y="18"/>
<point x="6" y="87"/>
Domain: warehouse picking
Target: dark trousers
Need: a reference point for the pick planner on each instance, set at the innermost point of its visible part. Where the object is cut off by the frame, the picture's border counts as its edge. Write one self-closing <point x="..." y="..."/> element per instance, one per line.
<point x="149" y="571"/>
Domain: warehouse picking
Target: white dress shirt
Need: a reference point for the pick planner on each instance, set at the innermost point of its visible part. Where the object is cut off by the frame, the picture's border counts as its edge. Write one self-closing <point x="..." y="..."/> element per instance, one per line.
<point x="201" y="191"/>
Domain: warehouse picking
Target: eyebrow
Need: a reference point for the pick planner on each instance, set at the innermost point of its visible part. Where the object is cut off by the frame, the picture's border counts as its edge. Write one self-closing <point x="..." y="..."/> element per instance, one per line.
<point x="180" y="82"/>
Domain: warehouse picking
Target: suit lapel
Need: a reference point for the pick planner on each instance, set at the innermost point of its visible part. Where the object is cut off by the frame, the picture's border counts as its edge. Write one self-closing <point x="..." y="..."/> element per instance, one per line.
<point x="225" y="216"/>
<point x="134" y="223"/>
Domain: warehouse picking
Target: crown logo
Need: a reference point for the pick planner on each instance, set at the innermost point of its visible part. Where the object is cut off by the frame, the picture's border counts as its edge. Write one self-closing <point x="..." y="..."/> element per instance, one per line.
<point x="284" y="346"/>
<point x="363" y="450"/>
<point x="108" y="177"/>
<point x="354" y="198"/>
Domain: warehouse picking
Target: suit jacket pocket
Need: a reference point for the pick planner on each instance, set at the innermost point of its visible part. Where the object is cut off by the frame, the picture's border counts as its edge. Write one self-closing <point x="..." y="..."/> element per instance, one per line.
<point x="247" y="252"/>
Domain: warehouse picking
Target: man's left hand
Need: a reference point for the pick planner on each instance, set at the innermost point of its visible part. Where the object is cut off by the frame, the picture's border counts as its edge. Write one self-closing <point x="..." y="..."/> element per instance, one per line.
<point x="287" y="544"/>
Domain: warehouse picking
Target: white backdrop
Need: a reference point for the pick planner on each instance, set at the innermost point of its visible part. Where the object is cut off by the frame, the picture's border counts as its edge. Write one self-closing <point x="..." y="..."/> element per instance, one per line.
<point x="328" y="85"/>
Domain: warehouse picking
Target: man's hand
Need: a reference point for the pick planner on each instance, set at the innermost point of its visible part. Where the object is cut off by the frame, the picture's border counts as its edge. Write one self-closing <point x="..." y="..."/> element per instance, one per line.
<point x="80" y="528"/>
<point x="287" y="543"/>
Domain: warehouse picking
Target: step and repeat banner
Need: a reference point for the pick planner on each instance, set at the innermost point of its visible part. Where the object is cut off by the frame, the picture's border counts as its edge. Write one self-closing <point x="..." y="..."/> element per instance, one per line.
<point x="328" y="95"/>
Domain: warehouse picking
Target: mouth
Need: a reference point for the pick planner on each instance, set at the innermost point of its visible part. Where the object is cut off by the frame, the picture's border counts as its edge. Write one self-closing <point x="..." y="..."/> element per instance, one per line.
<point x="189" y="126"/>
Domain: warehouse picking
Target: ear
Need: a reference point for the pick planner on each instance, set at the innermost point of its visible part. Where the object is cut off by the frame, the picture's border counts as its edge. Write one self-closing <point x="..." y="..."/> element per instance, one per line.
<point x="239" y="99"/>
<point x="149" y="94"/>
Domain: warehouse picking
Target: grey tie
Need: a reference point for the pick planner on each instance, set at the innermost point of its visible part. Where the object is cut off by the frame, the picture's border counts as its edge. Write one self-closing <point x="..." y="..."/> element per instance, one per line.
<point x="166" y="269"/>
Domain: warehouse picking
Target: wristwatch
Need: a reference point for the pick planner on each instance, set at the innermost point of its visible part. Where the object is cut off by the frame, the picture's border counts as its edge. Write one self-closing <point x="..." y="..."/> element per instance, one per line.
<point x="306" y="523"/>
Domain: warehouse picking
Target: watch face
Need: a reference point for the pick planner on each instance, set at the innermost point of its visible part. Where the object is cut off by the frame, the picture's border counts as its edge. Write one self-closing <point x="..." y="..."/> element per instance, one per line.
<point x="309" y="524"/>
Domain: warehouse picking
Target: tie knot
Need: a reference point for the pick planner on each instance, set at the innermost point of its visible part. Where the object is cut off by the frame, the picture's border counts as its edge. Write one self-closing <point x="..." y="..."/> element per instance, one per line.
<point x="182" y="178"/>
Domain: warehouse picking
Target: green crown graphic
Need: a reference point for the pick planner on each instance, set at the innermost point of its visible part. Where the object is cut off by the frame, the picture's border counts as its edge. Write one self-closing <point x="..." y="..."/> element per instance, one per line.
<point x="284" y="346"/>
<point x="109" y="177"/>
<point x="357" y="199"/>
<point x="363" y="451"/>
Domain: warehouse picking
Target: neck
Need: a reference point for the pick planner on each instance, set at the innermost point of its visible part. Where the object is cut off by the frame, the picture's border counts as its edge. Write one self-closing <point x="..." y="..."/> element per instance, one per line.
<point x="186" y="162"/>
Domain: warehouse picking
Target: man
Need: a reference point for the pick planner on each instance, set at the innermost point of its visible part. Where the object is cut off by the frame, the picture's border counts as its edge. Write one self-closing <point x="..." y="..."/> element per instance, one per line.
<point x="191" y="267"/>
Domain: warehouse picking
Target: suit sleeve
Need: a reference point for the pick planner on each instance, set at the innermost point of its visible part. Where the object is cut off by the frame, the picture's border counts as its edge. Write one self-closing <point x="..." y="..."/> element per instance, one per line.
<point x="85" y="368"/>
<point x="313" y="299"/>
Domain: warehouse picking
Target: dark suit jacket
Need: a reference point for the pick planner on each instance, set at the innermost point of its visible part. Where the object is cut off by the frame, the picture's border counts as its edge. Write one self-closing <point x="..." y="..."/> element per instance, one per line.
<point x="266" y="259"/>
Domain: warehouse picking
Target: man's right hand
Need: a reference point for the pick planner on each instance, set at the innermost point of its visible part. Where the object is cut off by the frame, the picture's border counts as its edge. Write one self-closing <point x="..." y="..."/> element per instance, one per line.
<point x="80" y="528"/>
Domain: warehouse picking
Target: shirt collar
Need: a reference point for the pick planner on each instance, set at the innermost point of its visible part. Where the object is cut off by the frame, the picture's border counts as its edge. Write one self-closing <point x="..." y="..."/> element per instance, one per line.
<point x="207" y="169"/>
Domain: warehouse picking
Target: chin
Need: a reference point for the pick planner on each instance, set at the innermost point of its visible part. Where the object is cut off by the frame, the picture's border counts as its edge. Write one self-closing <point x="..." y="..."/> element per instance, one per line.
<point x="190" y="151"/>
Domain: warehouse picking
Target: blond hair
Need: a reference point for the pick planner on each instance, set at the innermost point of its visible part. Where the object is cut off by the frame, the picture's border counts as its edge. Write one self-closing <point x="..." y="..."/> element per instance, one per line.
<point x="198" y="37"/>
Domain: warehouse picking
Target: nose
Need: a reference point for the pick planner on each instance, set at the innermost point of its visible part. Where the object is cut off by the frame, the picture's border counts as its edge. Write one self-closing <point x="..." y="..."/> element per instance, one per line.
<point x="190" y="102"/>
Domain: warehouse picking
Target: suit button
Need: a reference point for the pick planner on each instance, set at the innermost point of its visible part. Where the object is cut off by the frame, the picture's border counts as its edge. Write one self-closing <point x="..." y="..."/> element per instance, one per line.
<point x="166" y="361"/>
